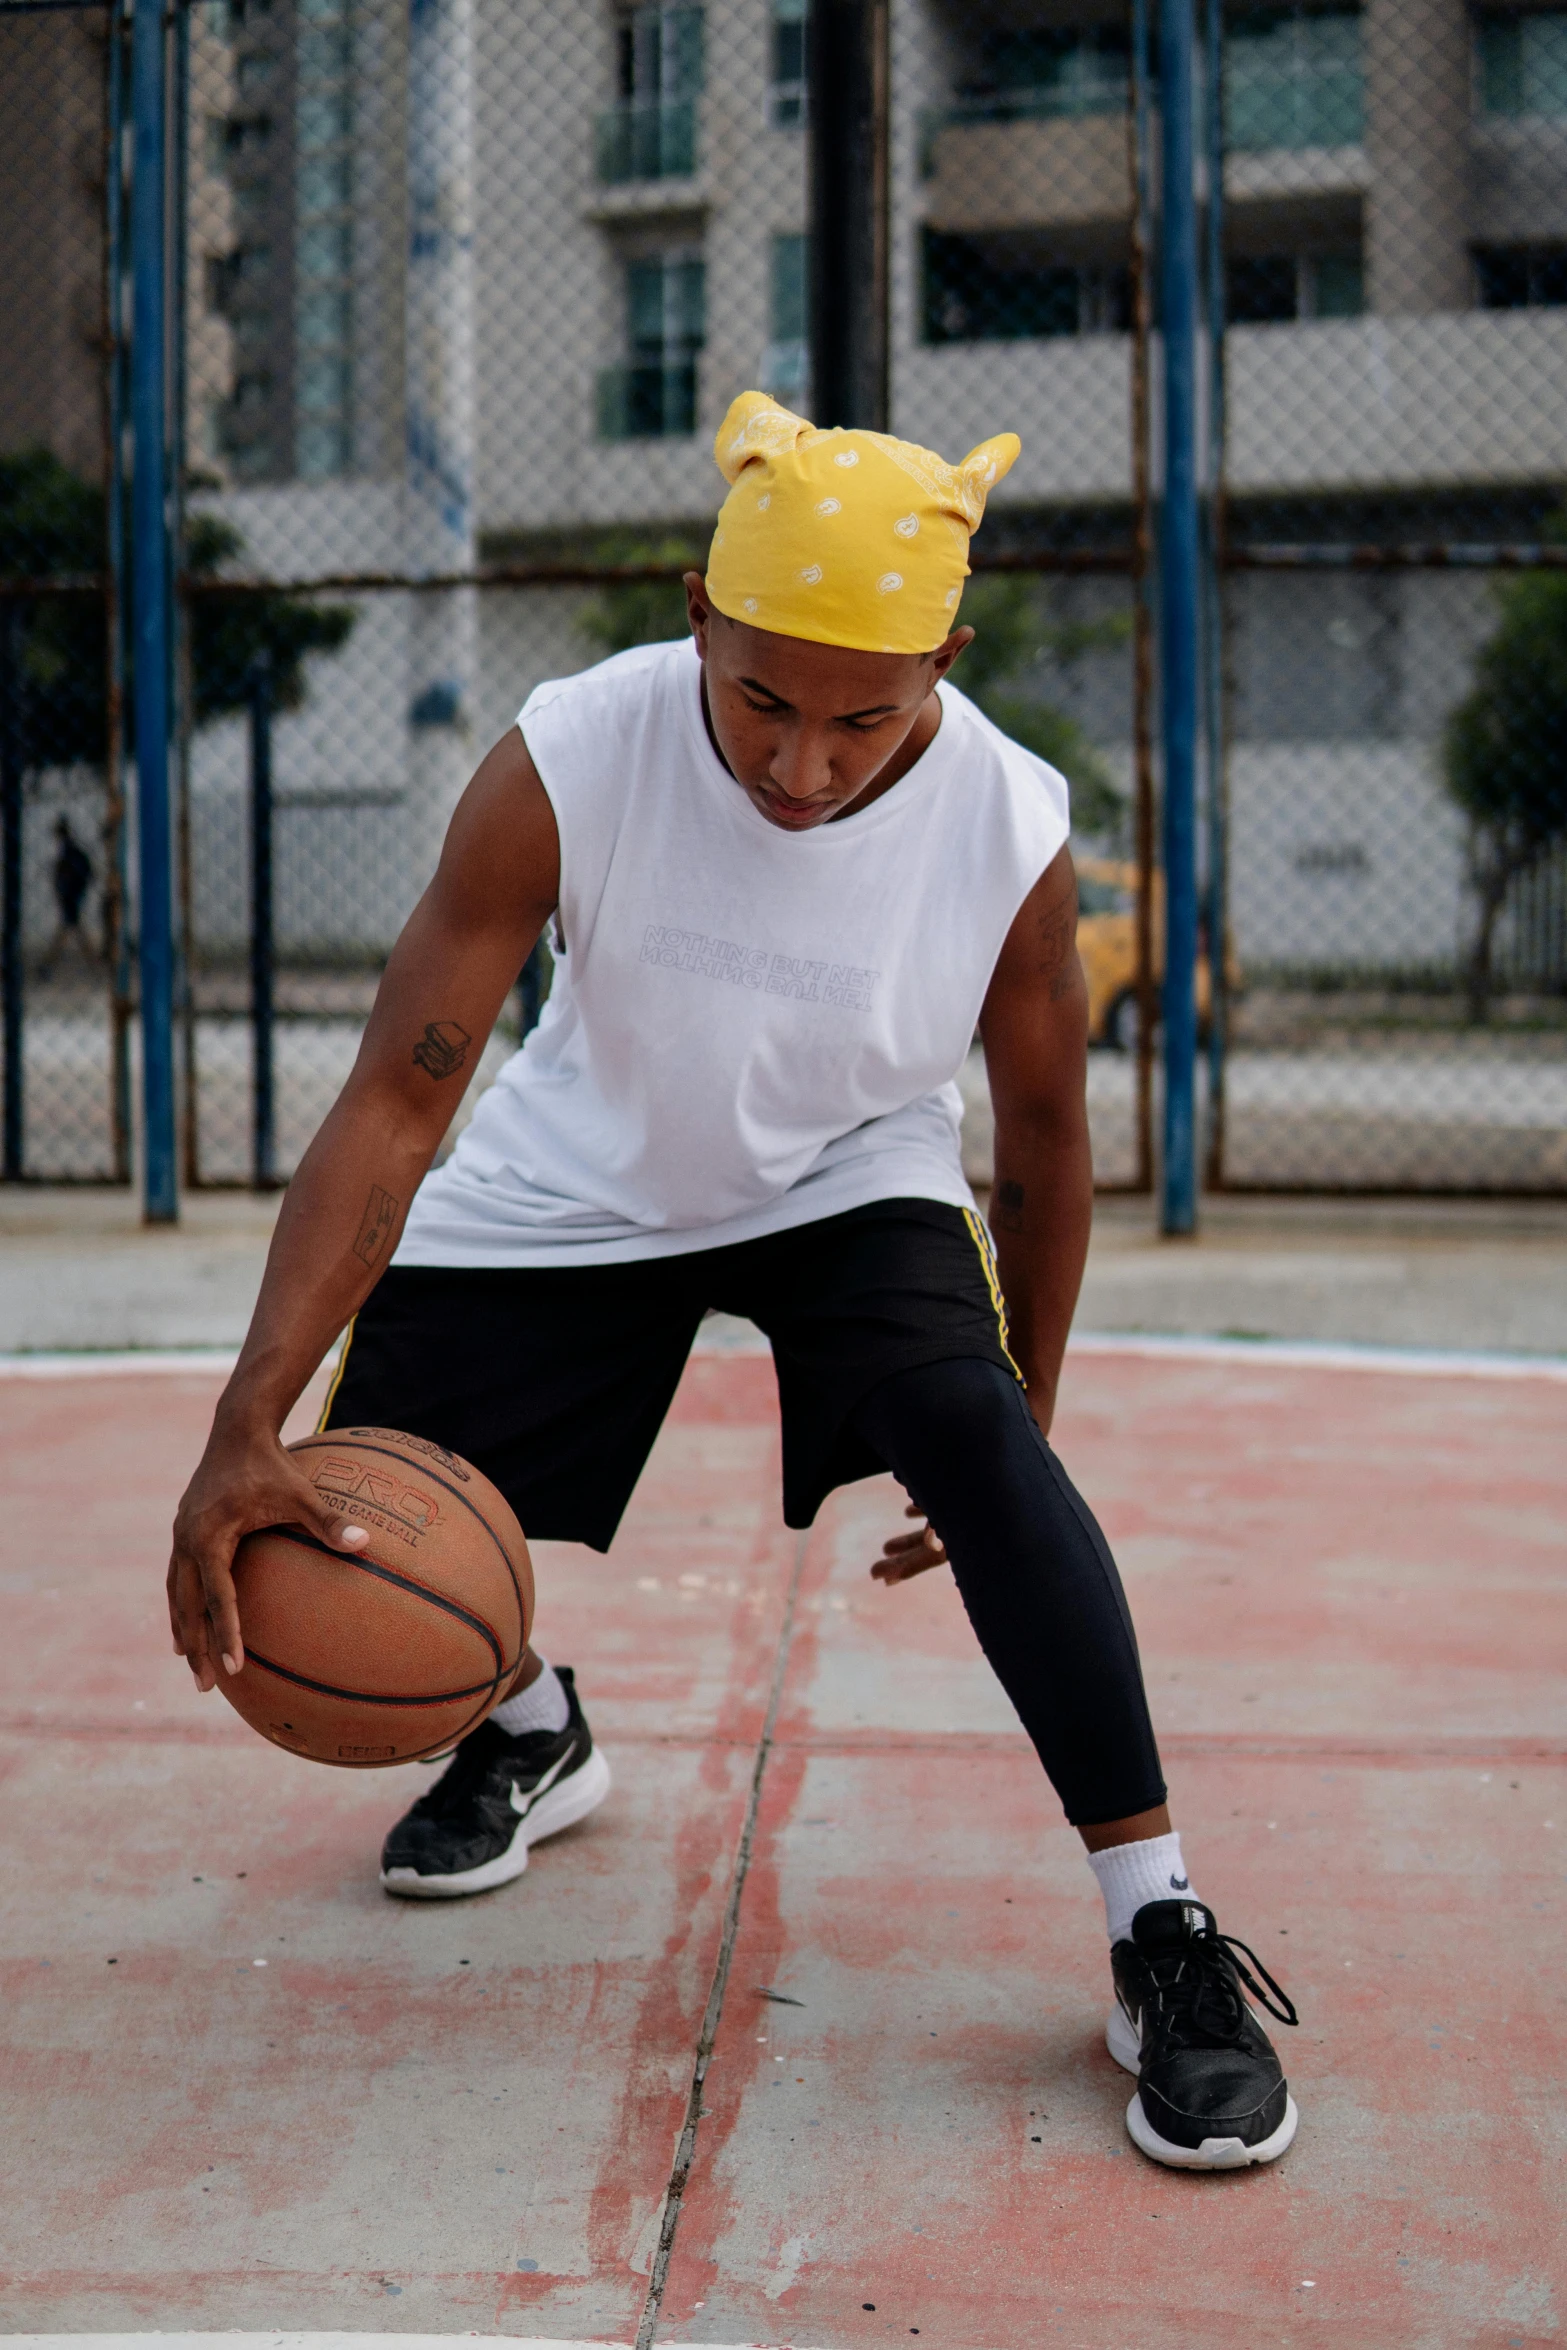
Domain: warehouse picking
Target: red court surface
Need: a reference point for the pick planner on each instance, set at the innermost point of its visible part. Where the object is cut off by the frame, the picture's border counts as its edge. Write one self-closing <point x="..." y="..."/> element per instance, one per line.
<point x="241" y="2089"/>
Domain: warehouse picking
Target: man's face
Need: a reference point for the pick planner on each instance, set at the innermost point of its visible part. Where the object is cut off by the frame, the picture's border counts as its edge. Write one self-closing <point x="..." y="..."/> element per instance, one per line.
<point x="808" y="730"/>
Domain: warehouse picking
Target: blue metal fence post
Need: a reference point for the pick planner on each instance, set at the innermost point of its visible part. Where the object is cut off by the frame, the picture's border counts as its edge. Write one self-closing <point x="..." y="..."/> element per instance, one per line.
<point x="1216" y="897"/>
<point x="1179" y="615"/>
<point x="151" y="601"/>
<point x="12" y="975"/>
<point x="263" y="1174"/>
<point x="117" y="897"/>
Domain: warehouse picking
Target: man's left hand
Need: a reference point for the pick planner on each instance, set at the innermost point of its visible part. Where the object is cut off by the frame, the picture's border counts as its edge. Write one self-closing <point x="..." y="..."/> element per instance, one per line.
<point x="910" y="1554"/>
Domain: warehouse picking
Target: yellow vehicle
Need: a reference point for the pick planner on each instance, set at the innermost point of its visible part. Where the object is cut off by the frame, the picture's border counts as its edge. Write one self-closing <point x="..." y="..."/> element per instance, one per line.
<point x="1107" y="943"/>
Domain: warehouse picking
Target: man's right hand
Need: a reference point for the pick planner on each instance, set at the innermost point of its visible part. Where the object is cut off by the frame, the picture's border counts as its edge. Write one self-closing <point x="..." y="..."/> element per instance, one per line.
<point x="458" y="957"/>
<point x="245" y="1480"/>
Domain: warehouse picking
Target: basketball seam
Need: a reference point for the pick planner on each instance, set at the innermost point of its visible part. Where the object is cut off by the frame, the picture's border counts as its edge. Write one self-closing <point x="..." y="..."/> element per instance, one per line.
<point x="346" y="1435"/>
<point x="365" y="1696"/>
<point x="370" y="1566"/>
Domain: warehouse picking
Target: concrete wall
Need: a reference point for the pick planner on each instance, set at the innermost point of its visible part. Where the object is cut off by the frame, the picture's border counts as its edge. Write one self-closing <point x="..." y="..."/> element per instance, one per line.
<point x="1418" y="101"/>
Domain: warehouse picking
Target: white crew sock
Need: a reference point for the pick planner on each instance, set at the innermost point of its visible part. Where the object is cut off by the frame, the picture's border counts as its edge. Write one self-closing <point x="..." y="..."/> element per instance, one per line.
<point x="1131" y="1874"/>
<point x="541" y="1706"/>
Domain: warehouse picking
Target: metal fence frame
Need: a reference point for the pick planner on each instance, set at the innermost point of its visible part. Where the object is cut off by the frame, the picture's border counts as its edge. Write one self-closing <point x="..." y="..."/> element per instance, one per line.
<point x="149" y="595"/>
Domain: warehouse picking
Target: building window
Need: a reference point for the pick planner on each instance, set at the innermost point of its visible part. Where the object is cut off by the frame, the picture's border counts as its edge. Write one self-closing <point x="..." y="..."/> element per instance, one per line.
<point x="1269" y="289"/>
<point x="1521" y="277"/>
<point x="323" y="240"/>
<point x="1523" y="65"/>
<point x="1046" y="72"/>
<point x="651" y="131"/>
<point x="786" y="361"/>
<point x="652" y="394"/>
<point x="286" y="286"/>
<point x="1293" y="77"/>
<point x="1007" y="289"/>
<point x="786" y="78"/>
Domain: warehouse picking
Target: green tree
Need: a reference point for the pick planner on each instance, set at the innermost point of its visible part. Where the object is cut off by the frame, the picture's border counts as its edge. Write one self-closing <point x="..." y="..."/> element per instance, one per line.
<point x="639" y="611"/>
<point x="1006" y="612"/>
<point x="229" y="633"/>
<point x="1504" y="756"/>
<point x="1011" y="633"/>
<point x="52" y="683"/>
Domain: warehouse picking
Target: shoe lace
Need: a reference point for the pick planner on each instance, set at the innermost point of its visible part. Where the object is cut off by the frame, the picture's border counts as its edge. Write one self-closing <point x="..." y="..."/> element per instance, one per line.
<point x="469" y="1767"/>
<point x="1197" y="1993"/>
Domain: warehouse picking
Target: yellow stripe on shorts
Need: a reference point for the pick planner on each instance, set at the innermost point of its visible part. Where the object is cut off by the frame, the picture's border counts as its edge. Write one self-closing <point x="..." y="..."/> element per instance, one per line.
<point x="987" y="1257"/>
<point x="337" y="1378"/>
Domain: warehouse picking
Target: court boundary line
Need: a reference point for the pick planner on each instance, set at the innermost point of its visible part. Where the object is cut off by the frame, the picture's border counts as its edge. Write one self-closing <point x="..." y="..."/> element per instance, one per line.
<point x="283" y="2340"/>
<point x="1308" y="1354"/>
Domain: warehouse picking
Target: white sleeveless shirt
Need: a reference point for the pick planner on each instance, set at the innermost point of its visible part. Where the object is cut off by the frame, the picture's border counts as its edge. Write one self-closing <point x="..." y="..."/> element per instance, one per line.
<point x="748" y="1029"/>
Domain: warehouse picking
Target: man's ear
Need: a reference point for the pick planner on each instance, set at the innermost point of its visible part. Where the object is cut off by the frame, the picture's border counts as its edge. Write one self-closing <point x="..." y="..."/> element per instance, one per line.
<point x="945" y="654"/>
<point x="699" y="611"/>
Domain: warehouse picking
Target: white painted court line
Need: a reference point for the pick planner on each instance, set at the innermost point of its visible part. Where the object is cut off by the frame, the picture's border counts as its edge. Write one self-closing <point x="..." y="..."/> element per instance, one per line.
<point x="1313" y="1354"/>
<point x="332" y="2342"/>
<point x="294" y="2342"/>
<point x="1282" y="1353"/>
<point x="111" y="1365"/>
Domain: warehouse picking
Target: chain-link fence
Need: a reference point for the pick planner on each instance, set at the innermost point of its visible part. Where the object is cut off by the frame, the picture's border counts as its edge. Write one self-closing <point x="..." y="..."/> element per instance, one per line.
<point x="471" y="311"/>
<point x="1395" y="681"/>
<point x="62" y="935"/>
<point x="466" y="288"/>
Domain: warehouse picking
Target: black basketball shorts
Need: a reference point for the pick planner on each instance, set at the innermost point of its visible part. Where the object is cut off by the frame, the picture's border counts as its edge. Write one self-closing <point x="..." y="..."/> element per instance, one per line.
<point x="555" y="1382"/>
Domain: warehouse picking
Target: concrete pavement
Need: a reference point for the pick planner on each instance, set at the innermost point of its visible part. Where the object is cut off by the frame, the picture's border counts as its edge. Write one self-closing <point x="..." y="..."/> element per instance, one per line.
<point x="78" y="1270"/>
<point x="241" y="2090"/>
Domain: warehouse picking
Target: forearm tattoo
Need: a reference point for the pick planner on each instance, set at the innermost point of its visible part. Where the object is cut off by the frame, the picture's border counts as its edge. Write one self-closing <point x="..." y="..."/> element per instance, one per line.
<point x="442" y="1049"/>
<point x="1009" y="1207"/>
<point x="375" y="1226"/>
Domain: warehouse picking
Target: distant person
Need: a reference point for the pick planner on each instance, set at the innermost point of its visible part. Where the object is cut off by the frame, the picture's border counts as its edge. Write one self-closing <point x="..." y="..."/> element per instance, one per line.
<point x="72" y="876"/>
<point x="787" y="869"/>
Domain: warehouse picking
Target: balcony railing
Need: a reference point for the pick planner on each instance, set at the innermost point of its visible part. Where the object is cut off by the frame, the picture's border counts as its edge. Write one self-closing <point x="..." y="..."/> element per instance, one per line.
<point x="656" y="142"/>
<point x="1088" y="84"/>
<point x="647" y="403"/>
<point x="1314" y="98"/>
<point x="1301" y="101"/>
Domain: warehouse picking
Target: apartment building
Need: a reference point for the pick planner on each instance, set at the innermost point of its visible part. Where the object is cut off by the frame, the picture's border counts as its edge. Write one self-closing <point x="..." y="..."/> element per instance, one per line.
<point x="480" y="276"/>
<point x="633" y="182"/>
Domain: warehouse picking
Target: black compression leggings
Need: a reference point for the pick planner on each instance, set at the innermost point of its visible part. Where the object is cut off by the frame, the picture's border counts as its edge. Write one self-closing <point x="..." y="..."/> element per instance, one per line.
<point x="1035" y="1573"/>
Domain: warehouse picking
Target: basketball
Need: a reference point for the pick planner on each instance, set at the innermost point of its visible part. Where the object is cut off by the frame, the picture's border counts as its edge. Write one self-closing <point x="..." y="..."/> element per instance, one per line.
<point x="378" y="1656"/>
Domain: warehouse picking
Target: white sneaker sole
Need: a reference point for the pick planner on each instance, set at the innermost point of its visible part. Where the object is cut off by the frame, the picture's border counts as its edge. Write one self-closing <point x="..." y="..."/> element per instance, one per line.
<point x="561" y="1807"/>
<point x="1213" y="2153"/>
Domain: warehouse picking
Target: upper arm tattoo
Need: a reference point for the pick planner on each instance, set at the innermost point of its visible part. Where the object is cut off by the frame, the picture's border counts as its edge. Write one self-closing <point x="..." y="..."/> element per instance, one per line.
<point x="442" y="1049"/>
<point x="1010" y="1198"/>
<point x="375" y="1225"/>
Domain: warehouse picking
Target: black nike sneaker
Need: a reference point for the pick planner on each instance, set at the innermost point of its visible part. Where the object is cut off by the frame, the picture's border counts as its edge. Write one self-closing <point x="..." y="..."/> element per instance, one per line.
<point x="1211" y="2094"/>
<point x="496" y="1796"/>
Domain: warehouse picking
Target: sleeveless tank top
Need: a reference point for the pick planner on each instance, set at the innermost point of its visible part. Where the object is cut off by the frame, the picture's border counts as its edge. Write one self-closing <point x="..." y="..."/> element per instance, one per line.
<point x="748" y="1029"/>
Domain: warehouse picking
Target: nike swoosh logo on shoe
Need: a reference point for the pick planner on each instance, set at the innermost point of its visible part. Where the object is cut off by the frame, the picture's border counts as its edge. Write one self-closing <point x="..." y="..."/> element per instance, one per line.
<point x="523" y="1804"/>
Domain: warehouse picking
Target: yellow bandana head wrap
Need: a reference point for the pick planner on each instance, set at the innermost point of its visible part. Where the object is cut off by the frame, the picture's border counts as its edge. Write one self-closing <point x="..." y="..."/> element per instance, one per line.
<point x="848" y="538"/>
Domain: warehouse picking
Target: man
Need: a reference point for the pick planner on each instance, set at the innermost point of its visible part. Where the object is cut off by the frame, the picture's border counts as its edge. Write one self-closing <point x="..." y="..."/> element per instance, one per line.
<point x="72" y="878"/>
<point x="787" y="871"/>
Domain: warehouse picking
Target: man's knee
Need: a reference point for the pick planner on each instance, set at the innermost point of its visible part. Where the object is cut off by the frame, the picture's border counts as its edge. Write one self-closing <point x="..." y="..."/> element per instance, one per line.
<point x="963" y="1408"/>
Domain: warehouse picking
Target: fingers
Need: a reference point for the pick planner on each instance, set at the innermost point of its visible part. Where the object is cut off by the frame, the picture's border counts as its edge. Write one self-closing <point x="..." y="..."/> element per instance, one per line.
<point x="223" y="1633"/>
<point x="906" y="1555"/>
<point x="188" y="1619"/>
<point x="325" y="1518"/>
<point x="342" y="1533"/>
